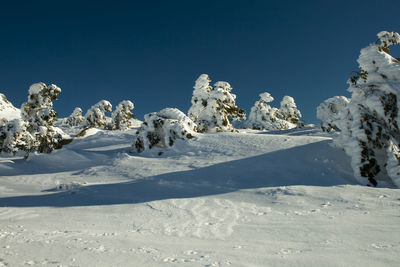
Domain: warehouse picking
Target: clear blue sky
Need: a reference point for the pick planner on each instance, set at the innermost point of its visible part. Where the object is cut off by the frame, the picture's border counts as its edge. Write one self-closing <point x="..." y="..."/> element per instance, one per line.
<point x="151" y="52"/>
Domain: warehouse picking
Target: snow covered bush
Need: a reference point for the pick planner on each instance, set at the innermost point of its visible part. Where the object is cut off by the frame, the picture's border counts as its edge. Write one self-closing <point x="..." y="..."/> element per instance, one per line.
<point x="95" y="117"/>
<point x="329" y="112"/>
<point x="214" y="108"/>
<point x="76" y="118"/>
<point x="370" y="124"/>
<point x="163" y="128"/>
<point x="14" y="136"/>
<point x="264" y="117"/>
<point x="40" y="116"/>
<point x="122" y="115"/>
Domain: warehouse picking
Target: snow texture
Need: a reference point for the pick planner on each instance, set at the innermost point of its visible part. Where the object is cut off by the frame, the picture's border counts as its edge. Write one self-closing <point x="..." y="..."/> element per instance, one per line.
<point x="163" y="128"/>
<point x="329" y="112"/>
<point x="214" y="108"/>
<point x="228" y="199"/>
<point x="122" y="116"/>
<point x="370" y="123"/>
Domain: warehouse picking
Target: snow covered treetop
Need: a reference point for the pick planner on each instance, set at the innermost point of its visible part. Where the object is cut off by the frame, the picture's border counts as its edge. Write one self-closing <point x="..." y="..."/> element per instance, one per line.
<point x="203" y="82"/>
<point x="388" y="38"/>
<point x="266" y="97"/>
<point x="51" y="91"/>
<point x="376" y="63"/>
<point x="223" y="85"/>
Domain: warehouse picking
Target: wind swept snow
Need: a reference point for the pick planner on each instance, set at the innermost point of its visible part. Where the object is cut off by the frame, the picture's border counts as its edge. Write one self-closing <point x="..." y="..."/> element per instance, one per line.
<point x="222" y="199"/>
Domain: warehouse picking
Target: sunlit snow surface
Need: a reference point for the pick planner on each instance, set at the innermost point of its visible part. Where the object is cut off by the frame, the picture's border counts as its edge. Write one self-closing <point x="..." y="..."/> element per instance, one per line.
<point x="225" y="199"/>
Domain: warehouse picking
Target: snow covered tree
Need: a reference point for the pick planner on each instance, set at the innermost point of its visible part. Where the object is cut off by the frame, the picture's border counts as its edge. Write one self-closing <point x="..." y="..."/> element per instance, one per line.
<point x="288" y="111"/>
<point x="214" y="108"/>
<point x="14" y="136"/>
<point x="370" y="124"/>
<point x="329" y="112"/>
<point x="40" y="116"/>
<point x="163" y="128"/>
<point x="264" y="117"/>
<point x="95" y="117"/>
<point x="122" y="115"/>
<point x="76" y="118"/>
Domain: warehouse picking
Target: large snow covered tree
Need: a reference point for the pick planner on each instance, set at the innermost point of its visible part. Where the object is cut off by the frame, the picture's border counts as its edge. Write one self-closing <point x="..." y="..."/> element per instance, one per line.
<point x="40" y="116"/>
<point x="370" y="123"/>
<point x="329" y="112"/>
<point x="76" y="118"/>
<point x="214" y="108"/>
<point x="122" y="115"/>
<point x="95" y="117"/>
<point x="264" y="117"/>
<point x="162" y="128"/>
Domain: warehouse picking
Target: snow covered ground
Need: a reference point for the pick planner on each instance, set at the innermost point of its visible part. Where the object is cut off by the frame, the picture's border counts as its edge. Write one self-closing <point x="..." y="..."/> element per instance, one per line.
<point x="241" y="199"/>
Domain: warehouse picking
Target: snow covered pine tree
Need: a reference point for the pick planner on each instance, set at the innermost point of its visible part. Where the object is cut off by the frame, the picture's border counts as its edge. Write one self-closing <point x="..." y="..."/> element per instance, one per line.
<point x="214" y="108"/>
<point x="329" y="112"/>
<point x="370" y="124"/>
<point x="163" y="128"/>
<point x="95" y="117"/>
<point x="122" y="115"/>
<point x="264" y="117"/>
<point x="76" y="118"/>
<point x="289" y="112"/>
<point x="40" y="116"/>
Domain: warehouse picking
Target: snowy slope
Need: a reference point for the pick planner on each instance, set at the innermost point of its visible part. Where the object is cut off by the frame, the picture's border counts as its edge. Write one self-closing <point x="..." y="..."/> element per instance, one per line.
<point x="242" y="199"/>
<point x="7" y="110"/>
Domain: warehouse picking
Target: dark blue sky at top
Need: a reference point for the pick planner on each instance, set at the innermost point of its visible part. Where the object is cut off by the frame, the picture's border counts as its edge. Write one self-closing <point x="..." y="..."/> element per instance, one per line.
<point x="151" y="52"/>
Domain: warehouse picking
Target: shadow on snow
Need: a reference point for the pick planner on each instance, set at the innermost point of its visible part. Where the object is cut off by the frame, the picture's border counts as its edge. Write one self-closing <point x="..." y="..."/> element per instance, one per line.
<point x="315" y="164"/>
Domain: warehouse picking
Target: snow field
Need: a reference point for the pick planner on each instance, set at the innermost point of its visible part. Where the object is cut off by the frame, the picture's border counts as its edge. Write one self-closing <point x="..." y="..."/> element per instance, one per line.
<point x="226" y="199"/>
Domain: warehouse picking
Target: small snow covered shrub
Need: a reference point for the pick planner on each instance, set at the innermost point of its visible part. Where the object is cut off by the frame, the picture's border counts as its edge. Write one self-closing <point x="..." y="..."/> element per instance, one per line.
<point x="40" y="116"/>
<point x="329" y="112"/>
<point x="95" y="117"/>
<point x="214" y="108"/>
<point x="264" y="117"/>
<point x="14" y="136"/>
<point x="76" y="118"/>
<point x="163" y="128"/>
<point x="122" y="115"/>
<point x="370" y="124"/>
